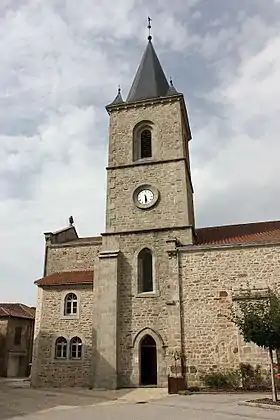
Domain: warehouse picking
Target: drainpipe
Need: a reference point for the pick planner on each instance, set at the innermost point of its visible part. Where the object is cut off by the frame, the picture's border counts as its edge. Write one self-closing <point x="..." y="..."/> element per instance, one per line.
<point x="181" y="312"/>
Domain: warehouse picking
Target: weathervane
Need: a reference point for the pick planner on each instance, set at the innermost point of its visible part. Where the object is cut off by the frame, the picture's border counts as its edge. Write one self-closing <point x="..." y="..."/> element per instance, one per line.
<point x="149" y="28"/>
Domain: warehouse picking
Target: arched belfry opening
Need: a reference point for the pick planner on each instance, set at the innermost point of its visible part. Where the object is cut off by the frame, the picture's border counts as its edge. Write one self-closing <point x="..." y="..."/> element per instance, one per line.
<point x="143" y="140"/>
<point x="148" y="361"/>
<point x="146" y="144"/>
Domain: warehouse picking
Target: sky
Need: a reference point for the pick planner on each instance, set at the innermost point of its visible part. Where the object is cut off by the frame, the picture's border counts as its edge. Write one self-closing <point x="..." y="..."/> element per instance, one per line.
<point x="61" y="62"/>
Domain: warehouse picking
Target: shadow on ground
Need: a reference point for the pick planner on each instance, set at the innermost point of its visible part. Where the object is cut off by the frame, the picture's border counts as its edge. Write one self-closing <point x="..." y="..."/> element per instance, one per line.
<point x="17" y="398"/>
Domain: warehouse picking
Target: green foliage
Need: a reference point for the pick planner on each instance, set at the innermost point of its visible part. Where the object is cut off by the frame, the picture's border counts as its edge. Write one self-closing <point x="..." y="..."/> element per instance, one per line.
<point x="222" y="380"/>
<point x="252" y="377"/>
<point x="258" y="319"/>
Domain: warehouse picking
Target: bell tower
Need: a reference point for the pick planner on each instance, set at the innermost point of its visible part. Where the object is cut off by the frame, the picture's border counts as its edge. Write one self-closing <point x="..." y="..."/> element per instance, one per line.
<point x="149" y="182"/>
<point x="149" y="212"/>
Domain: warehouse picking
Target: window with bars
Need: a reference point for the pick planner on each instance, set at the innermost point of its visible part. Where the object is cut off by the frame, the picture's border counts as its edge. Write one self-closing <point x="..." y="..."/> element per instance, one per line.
<point x="61" y="348"/>
<point x="76" y="346"/>
<point x="71" y="304"/>
<point x="142" y="147"/>
<point x="145" y="144"/>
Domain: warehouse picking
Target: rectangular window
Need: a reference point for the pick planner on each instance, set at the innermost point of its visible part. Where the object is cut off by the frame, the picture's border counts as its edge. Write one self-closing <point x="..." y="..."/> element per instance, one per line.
<point x="74" y="310"/>
<point x="76" y="352"/>
<point x="61" y="351"/>
<point x="17" y="336"/>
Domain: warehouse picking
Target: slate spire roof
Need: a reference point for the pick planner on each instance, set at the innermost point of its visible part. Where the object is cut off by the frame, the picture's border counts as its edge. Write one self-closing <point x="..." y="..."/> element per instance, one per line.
<point x="150" y="80"/>
<point x="118" y="99"/>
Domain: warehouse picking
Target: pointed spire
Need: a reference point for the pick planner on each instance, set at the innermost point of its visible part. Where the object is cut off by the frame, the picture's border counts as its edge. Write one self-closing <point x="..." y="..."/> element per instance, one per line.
<point x="171" y="91"/>
<point x="150" y="80"/>
<point x="118" y="99"/>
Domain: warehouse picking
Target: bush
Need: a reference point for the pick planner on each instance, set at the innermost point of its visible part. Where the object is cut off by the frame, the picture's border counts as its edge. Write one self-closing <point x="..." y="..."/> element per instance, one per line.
<point x="252" y="377"/>
<point x="222" y="380"/>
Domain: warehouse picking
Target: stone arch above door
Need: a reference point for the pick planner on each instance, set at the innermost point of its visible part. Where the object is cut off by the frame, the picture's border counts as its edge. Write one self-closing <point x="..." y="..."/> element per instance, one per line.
<point x="148" y="331"/>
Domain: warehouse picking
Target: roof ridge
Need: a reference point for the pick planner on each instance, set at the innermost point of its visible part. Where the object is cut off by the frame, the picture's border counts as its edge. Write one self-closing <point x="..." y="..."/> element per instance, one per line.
<point x="239" y="224"/>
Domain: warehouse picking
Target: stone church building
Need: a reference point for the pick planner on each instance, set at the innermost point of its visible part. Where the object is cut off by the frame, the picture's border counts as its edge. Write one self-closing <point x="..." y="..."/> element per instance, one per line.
<point x="148" y="297"/>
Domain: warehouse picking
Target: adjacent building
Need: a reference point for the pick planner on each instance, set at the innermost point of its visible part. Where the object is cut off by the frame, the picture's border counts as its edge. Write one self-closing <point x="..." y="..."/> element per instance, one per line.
<point x="16" y="339"/>
<point x="149" y="297"/>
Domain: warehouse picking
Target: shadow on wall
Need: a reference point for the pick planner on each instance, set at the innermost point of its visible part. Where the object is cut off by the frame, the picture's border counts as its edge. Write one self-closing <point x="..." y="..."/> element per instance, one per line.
<point x="126" y="374"/>
<point x="48" y="372"/>
<point x="2" y="355"/>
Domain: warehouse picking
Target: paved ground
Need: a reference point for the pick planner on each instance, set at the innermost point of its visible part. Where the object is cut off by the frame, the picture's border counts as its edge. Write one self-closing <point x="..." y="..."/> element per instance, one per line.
<point x="18" y="399"/>
<point x="18" y="402"/>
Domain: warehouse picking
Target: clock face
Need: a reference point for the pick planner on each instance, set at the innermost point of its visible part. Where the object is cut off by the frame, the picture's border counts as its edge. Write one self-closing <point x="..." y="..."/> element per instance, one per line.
<point x="145" y="197"/>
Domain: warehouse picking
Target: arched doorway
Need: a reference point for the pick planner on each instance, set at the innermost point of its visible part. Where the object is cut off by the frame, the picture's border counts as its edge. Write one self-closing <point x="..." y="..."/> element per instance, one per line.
<point x="148" y="361"/>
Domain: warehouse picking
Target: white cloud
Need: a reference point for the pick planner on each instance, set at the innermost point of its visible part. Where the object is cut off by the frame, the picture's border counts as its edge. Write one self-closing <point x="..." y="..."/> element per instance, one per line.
<point x="244" y="170"/>
<point x="60" y="64"/>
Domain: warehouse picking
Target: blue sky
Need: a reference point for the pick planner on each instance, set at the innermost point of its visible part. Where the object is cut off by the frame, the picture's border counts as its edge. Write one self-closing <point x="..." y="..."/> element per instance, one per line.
<point x="61" y="63"/>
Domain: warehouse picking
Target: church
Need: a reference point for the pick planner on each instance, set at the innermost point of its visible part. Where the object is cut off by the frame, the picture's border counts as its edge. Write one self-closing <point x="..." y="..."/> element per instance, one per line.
<point x="149" y="297"/>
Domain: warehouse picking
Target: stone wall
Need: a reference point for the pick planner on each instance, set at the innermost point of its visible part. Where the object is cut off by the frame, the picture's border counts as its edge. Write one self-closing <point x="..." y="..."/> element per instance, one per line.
<point x="47" y="370"/>
<point x="157" y="314"/>
<point x="50" y="322"/>
<point x="210" y="278"/>
<point x="171" y="210"/>
<point x="167" y="134"/>
<point x="166" y="170"/>
<point x="71" y="257"/>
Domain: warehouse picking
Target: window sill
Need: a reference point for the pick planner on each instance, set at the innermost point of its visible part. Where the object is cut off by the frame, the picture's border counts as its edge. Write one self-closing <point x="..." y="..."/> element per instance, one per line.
<point x="63" y="361"/>
<point x="70" y="317"/>
<point x="147" y="295"/>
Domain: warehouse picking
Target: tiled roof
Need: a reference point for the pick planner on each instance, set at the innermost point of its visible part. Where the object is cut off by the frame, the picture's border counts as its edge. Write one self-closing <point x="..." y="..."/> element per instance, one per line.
<point x="17" y="310"/>
<point x="66" y="278"/>
<point x="251" y="232"/>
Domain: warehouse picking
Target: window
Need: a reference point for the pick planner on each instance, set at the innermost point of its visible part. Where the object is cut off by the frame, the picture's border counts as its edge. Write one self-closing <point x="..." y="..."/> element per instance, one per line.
<point x="76" y="348"/>
<point x="145" y="271"/>
<point x="17" y="336"/>
<point x="61" y="348"/>
<point x="146" y="144"/>
<point x="70" y="304"/>
<point x="142" y="140"/>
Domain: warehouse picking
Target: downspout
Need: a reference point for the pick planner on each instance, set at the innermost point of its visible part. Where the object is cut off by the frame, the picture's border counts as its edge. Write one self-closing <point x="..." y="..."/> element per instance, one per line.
<point x="181" y="314"/>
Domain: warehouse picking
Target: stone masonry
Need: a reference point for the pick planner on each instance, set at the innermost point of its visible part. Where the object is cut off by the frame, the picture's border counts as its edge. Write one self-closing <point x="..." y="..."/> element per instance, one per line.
<point x="195" y="273"/>
<point x="212" y="276"/>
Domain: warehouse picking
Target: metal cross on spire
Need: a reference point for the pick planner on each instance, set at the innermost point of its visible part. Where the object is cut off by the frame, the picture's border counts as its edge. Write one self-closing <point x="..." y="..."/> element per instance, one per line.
<point x="149" y="28"/>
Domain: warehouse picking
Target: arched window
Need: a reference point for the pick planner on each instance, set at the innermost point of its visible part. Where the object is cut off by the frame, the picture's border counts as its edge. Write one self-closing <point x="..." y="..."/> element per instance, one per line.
<point x="145" y="144"/>
<point x="70" y="304"/>
<point x="76" y="348"/>
<point x="61" y="348"/>
<point x="142" y="140"/>
<point x="145" y="270"/>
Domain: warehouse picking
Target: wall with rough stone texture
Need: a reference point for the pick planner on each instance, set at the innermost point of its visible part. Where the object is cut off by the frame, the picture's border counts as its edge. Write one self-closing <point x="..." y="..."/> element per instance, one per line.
<point x="167" y="131"/>
<point x="48" y="371"/>
<point x="166" y="170"/>
<point x="51" y="323"/>
<point x="210" y="279"/>
<point x="157" y="312"/>
<point x="71" y="258"/>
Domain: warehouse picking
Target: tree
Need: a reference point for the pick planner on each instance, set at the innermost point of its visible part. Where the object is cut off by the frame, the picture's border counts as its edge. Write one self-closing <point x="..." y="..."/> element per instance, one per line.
<point x="257" y="315"/>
